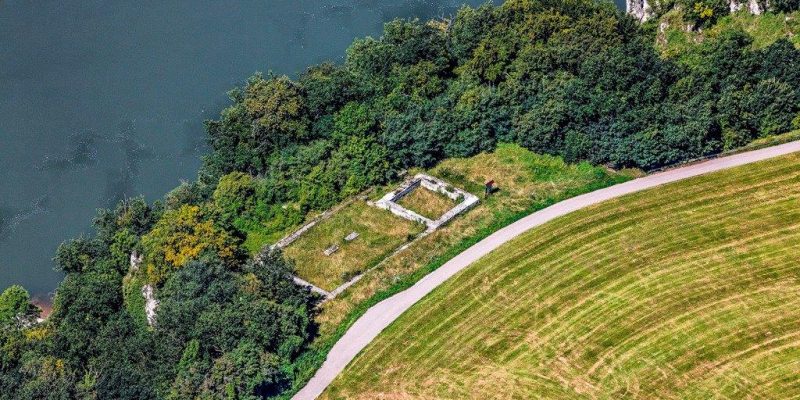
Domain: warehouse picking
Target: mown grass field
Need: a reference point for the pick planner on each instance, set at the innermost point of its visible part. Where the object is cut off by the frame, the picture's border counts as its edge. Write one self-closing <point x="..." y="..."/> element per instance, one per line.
<point x="690" y="290"/>
<point x="380" y="233"/>
<point x="427" y="203"/>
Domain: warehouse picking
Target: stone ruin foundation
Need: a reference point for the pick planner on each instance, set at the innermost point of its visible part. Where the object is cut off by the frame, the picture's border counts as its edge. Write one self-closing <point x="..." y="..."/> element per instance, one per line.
<point x="422" y="181"/>
<point x="389" y="201"/>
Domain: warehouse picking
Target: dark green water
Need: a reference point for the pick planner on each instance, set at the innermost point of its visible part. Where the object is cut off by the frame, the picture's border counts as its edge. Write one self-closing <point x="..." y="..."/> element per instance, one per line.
<point x="100" y="100"/>
<point x="105" y="99"/>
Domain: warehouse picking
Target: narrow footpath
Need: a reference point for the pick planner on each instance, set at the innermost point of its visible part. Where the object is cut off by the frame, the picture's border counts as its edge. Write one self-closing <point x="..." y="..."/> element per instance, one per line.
<point x="379" y="316"/>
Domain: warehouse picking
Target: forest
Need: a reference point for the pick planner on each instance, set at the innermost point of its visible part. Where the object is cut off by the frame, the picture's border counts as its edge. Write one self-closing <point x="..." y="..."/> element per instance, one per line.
<point x="573" y="78"/>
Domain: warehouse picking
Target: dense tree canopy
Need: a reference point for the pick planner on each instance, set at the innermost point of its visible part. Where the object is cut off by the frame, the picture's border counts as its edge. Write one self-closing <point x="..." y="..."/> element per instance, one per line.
<point x="225" y="327"/>
<point x="576" y="79"/>
<point x="183" y="235"/>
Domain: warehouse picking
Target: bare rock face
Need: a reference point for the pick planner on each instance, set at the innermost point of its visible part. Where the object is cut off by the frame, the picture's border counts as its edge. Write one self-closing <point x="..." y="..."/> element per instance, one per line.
<point x="150" y="305"/>
<point x="661" y="37"/>
<point x="642" y="10"/>
<point x="754" y="7"/>
<point x="639" y="9"/>
<point x="136" y="261"/>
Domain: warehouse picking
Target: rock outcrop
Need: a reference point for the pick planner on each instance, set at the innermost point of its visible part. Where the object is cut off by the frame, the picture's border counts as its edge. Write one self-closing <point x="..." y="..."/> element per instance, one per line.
<point x="642" y="10"/>
<point x="148" y="292"/>
<point x="639" y="9"/>
<point x="136" y="261"/>
<point x="755" y="7"/>
<point x="150" y="304"/>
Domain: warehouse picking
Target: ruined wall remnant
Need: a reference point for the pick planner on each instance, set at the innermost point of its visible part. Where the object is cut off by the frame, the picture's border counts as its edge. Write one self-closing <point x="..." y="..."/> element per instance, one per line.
<point x="389" y="200"/>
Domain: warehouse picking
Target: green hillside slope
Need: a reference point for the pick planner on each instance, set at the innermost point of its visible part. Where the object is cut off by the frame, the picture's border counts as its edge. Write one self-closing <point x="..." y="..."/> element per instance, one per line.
<point x="674" y="40"/>
<point x="690" y="290"/>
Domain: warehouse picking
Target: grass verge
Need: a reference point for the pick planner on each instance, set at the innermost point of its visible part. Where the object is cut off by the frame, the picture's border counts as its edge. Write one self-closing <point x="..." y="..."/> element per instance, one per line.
<point x="769" y="141"/>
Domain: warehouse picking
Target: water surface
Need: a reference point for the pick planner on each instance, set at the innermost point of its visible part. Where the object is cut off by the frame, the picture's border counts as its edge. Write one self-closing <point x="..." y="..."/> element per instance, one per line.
<point x="101" y="100"/>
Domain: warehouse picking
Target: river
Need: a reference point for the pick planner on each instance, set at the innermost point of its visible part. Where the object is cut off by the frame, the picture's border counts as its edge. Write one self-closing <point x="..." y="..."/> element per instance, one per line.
<point x="101" y="100"/>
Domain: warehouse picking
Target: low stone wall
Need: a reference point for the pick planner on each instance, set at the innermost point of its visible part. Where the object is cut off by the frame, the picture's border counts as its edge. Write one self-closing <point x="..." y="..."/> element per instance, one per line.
<point x="402" y="212"/>
<point x="325" y="294"/>
<point x="287" y="240"/>
<point x="389" y="200"/>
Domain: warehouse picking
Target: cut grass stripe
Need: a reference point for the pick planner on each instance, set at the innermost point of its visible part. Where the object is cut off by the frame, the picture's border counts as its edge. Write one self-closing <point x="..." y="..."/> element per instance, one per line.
<point x="691" y="290"/>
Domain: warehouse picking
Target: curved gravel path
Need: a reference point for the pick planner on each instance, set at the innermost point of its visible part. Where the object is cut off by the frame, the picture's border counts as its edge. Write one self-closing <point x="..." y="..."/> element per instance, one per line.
<point x="384" y="313"/>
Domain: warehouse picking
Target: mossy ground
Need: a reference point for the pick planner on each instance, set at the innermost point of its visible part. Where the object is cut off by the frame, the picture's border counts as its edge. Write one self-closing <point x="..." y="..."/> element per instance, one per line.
<point x="689" y="290"/>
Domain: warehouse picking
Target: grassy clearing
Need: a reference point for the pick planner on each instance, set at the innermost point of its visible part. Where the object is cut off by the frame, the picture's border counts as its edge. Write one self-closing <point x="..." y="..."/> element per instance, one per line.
<point x="427" y="203"/>
<point x="527" y="182"/>
<point x="691" y="290"/>
<point x="765" y="29"/>
<point x="380" y="232"/>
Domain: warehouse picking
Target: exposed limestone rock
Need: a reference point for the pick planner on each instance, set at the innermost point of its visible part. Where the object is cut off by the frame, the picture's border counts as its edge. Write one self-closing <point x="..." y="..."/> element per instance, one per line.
<point x="639" y="9"/>
<point x="136" y="261"/>
<point x="754" y="7"/>
<point x="661" y="37"/>
<point x="642" y="10"/>
<point x="150" y="305"/>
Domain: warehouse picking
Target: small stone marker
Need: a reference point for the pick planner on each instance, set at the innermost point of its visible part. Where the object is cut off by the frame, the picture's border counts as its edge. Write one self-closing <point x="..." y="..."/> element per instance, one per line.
<point x="331" y="250"/>
<point x="352" y="236"/>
